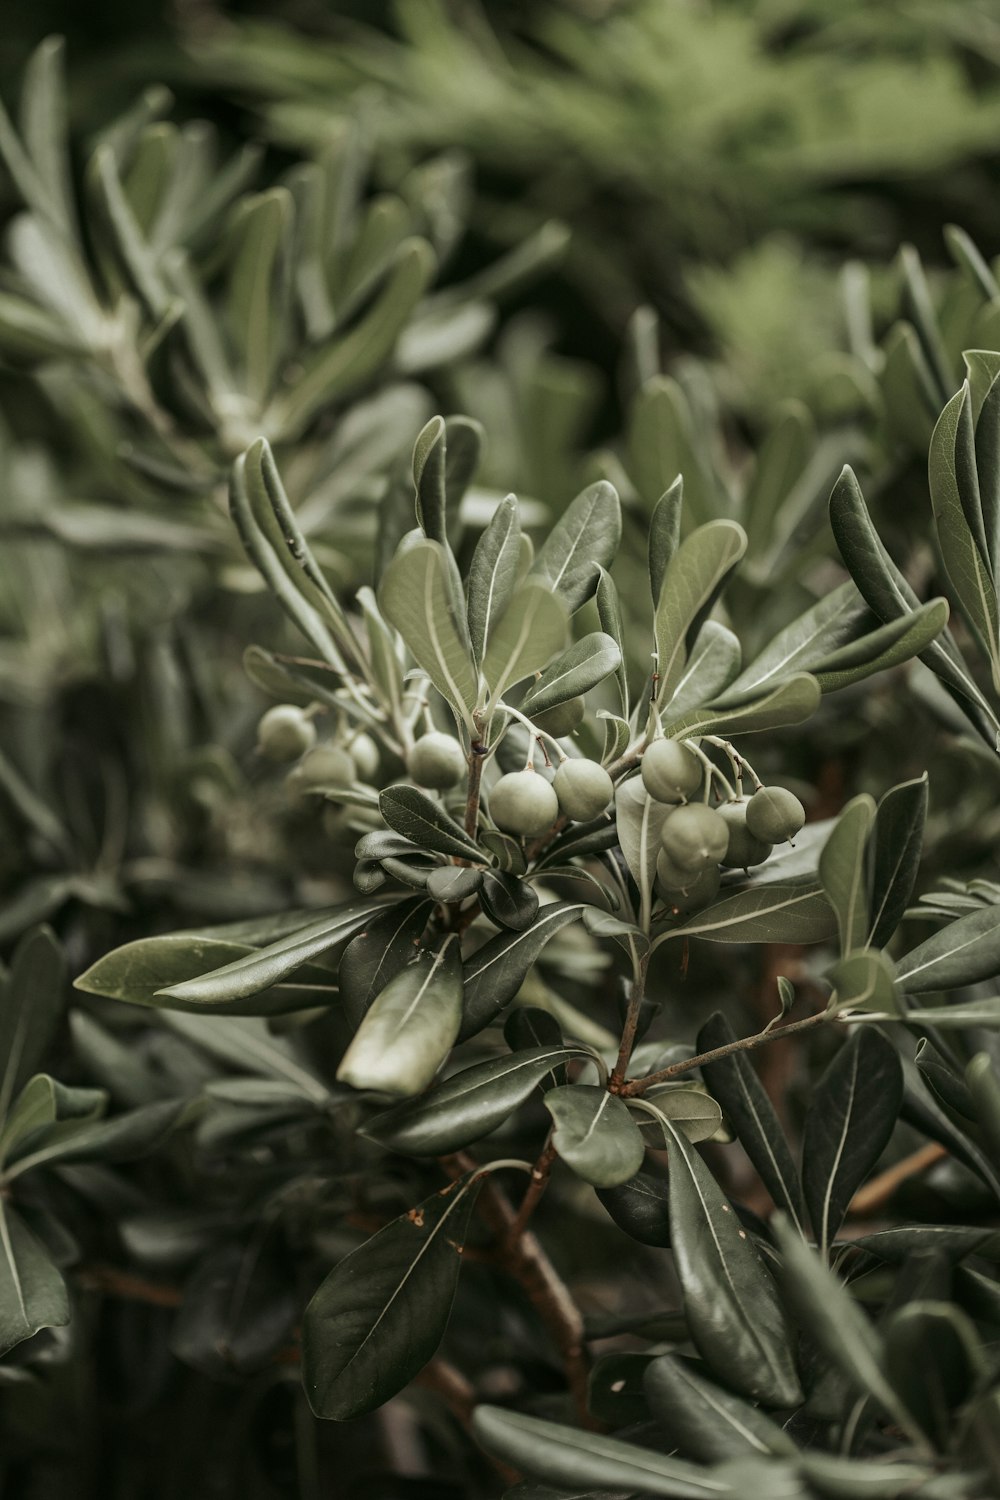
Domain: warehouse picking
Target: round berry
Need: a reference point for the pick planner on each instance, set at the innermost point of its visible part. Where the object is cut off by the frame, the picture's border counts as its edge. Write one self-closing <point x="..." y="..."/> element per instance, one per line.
<point x="744" y="850"/>
<point x="583" y="788"/>
<point x="523" y="802"/>
<point x="670" y="771"/>
<point x="775" y="814"/>
<point x="695" y="836"/>
<point x="686" y="892"/>
<point x="366" y="757"/>
<point x="562" y="719"/>
<point x="326" y="766"/>
<point x="437" y="761"/>
<point x="284" y="733"/>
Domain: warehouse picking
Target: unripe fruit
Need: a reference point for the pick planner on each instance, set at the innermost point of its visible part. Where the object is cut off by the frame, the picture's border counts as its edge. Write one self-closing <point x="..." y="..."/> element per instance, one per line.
<point x="284" y="733"/>
<point x="695" y="836"/>
<point x="686" y="892"/>
<point x="744" y="850"/>
<point x="583" y="788"/>
<point x="437" y="761"/>
<point x="366" y="757"/>
<point x="523" y="802"/>
<point x="326" y="766"/>
<point x="562" y="719"/>
<point x="670" y="771"/>
<point x="775" y="814"/>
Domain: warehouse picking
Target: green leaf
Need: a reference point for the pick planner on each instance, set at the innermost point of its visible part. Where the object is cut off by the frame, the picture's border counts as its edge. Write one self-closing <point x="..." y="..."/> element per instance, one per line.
<point x="691" y="1108"/>
<point x="257" y="971"/>
<point x="640" y="1207"/>
<point x="843" y="871"/>
<point x="808" y="640"/>
<point x="730" y="1301"/>
<point x="864" y="981"/>
<point x="791" y="702"/>
<point x="567" y="1457"/>
<point x="468" y="1105"/>
<point x="381" y="1313"/>
<point x="934" y="1359"/>
<point x="425" y="823"/>
<point x="987" y="459"/>
<point x="953" y="1241"/>
<point x="609" y="614"/>
<point x="664" y="535"/>
<point x="712" y="664"/>
<point x="31" y="1001"/>
<point x="956" y="502"/>
<point x="585" y="664"/>
<point x="691" y="583"/>
<point x="734" y="1082"/>
<point x="639" y="819"/>
<point x="594" y="1134"/>
<point x="429" y="458"/>
<point x="415" y="597"/>
<point x="835" y="1322"/>
<point x="852" y="1114"/>
<point x="378" y="953"/>
<point x="530" y="632"/>
<point x="493" y="574"/>
<point x="889" y="646"/>
<point x="47" y="1111"/>
<point x="131" y="248"/>
<point x="238" y="1309"/>
<point x="246" y="1043"/>
<point x="127" y="1136"/>
<point x="508" y="901"/>
<point x="895" y="856"/>
<point x="496" y="971"/>
<point x="964" y="952"/>
<point x="852" y="1478"/>
<point x="703" y="1420"/>
<point x="966" y="1013"/>
<point x="786" y="911"/>
<point x="140" y="972"/>
<point x="585" y="537"/>
<point x="258" y="287"/>
<point x="984" y="1087"/>
<point x="410" y="1026"/>
<point x="32" y="1292"/>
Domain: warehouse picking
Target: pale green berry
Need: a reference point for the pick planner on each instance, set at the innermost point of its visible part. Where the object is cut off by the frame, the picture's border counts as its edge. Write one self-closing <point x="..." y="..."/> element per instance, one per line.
<point x="744" y="850"/>
<point x="523" y="802"/>
<point x="437" y="761"/>
<point x="326" y="766"/>
<point x="583" y="788"/>
<point x="775" y="814"/>
<point x="682" y="890"/>
<point x="562" y="719"/>
<point x="670" y="771"/>
<point x="366" y="757"/>
<point x="695" y="836"/>
<point x="285" y="733"/>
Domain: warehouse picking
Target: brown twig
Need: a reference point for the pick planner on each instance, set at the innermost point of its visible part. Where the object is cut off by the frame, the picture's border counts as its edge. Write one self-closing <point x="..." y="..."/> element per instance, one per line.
<point x="876" y="1194"/>
<point x="616" y="1082"/>
<point x="744" y="1044"/>
<point x="540" y="1174"/>
<point x="115" y="1283"/>
<point x="477" y="759"/>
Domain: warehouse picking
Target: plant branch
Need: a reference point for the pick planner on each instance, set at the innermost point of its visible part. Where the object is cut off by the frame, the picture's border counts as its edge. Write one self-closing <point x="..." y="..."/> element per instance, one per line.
<point x="745" y="1044"/>
<point x="540" y="1174"/>
<point x="877" y="1193"/>
<point x="477" y="757"/>
<point x="617" y="1084"/>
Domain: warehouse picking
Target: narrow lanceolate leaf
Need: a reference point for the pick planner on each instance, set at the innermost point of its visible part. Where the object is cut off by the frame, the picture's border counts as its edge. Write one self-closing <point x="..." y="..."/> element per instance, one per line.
<point x="730" y="1301"/>
<point x="378" y="952"/>
<point x="962" y="953"/>
<point x="865" y="981"/>
<point x="713" y="662"/>
<point x="788" y="911"/>
<point x="31" y="1001"/>
<point x="425" y="823"/>
<point x="259" y="970"/>
<point x="570" y="1458"/>
<point x="843" y="871"/>
<point x="664" y="535"/>
<point x="496" y="971"/>
<point x="410" y="1026"/>
<point x="851" y="1116"/>
<point x="586" y="535"/>
<point x="610" y="616"/>
<point x="32" y="1292"/>
<point x="493" y="574"/>
<point x="532" y="629"/>
<point x="792" y="702"/>
<point x="381" y="1313"/>
<point x="831" y="623"/>
<point x="581" y="667"/>
<point x="258" y="287"/>
<point x="734" y="1082"/>
<point x="894" y="856"/>
<point x="889" y="595"/>
<point x="704" y="1421"/>
<point x="594" y="1134"/>
<point x="639" y="819"/>
<point x="889" y="646"/>
<point x="416" y="598"/>
<point x="468" y="1105"/>
<point x="833" y="1319"/>
<point x="988" y="467"/>
<point x="958" y="518"/>
<point x="692" y="580"/>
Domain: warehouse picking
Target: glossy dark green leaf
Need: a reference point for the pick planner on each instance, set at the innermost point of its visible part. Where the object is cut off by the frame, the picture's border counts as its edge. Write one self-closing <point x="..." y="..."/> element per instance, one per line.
<point x="585" y="536"/>
<point x="865" y="981"/>
<point x="567" y="1456"/>
<point x="127" y="1136"/>
<point x="692" y="580"/>
<point x="585" y="664"/>
<point x="935" y="1360"/>
<point x="730" y="1300"/>
<point x="508" y="901"/>
<point x="496" y="971"/>
<point x="594" y="1134"/>
<point x="954" y="1241"/>
<point x="416" y="596"/>
<point x="895" y="856"/>
<point x="640" y="1206"/>
<point x="734" y="1082"/>
<point x="689" y="1106"/>
<point x="703" y="1420"/>
<point x="493" y="574"/>
<point x="983" y="1084"/>
<point x="424" y="822"/>
<point x="32" y="1292"/>
<point x="410" y="1027"/>
<point x="468" y="1105"/>
<point x="32" y="996"/>
<point x="380" y="1314"/>
<point x="787" y="911"/>
<point x="378" y="953"/>
<point x="843" y="871"/>
<point x="852" y="1113"/>
<point x="964" y="952"/>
